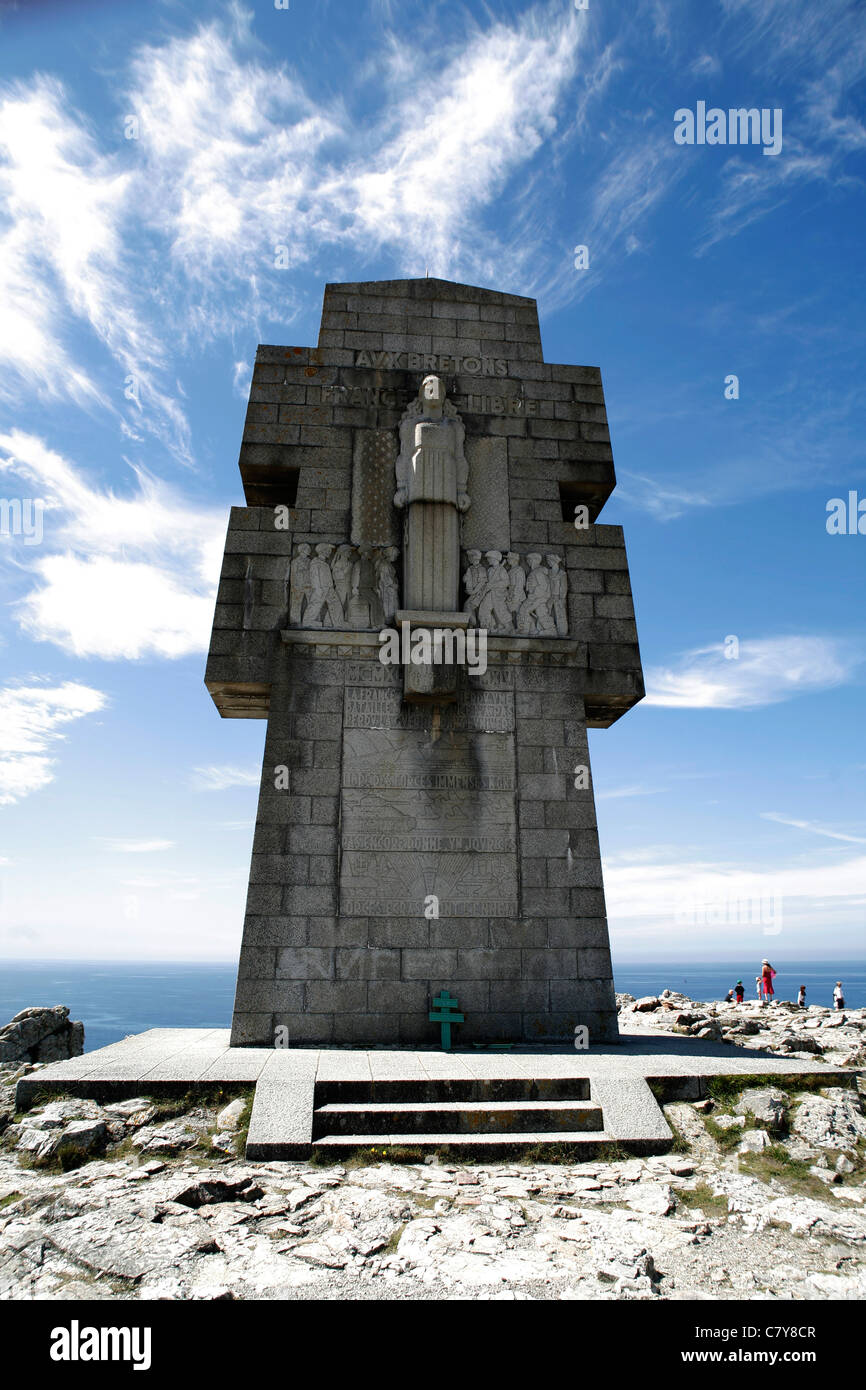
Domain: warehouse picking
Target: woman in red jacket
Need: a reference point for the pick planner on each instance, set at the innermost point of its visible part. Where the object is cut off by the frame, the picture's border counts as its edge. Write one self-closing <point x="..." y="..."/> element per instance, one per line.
<point x="767" y="976"/>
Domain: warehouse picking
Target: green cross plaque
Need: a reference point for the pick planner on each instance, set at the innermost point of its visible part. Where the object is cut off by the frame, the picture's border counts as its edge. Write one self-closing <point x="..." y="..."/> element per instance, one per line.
<point x="446" y="1017"/>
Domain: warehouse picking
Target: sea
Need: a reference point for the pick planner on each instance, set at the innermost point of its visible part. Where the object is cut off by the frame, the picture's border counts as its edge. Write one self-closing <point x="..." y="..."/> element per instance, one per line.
<point x="116" y="998"/>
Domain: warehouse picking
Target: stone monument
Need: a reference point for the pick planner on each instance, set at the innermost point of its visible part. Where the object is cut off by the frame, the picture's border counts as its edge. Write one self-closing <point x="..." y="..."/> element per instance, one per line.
<point x="424" y="826"/>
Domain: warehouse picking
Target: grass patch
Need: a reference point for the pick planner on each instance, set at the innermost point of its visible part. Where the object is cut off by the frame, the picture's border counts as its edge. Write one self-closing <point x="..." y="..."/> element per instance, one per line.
<point x="725" y="1090"/>
<point x="425" y="1201"/>
<point x="703" y="1197"/>
<point x="726" y="1139"/>
<point x="10" y="1198"/>
<point x="776" y="1162"/>
<point x="393" y="1241"/>
<point x="367" y="1158"/>
<point x="244" y="1126"/>
<point x="681" y="1144"/>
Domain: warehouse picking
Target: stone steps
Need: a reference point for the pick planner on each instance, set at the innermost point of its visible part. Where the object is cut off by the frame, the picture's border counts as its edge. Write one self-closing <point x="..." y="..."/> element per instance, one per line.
<point x="506" y="1117"/>
<point x="470" y="1146"/>
<point x="428" y="1090"/>
<point x="470" y="1116"/>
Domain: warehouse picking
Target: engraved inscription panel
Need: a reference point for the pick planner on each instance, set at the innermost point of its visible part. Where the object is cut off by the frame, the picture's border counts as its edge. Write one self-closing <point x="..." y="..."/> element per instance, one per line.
<point x="426" y="811"/>
<point x="484" y="711"/>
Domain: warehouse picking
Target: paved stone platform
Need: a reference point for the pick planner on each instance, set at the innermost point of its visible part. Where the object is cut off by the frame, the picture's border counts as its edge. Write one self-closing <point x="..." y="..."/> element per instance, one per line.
<point x="298" y="1090"/>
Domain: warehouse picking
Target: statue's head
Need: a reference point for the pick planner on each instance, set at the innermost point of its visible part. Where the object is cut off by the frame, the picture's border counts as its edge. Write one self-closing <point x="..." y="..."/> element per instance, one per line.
<point x="432" y="391"/>
<point x="512" y="557"/>
<point x="494" y="556"/>
<point x="554" y="561"/>
<point x="324" y="551"/>
<point x="473" y="556"/>
<point x="533" y="561"/>
<point x="304" y="549"/>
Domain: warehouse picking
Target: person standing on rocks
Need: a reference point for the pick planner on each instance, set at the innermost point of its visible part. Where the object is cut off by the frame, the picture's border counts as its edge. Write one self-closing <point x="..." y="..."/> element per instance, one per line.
<point x="739" y="991"/>
<point x="801" y="997"/>
<point x="767" y="976"/>
<point x="838" y="996"/>
<point x="759" y="988"/>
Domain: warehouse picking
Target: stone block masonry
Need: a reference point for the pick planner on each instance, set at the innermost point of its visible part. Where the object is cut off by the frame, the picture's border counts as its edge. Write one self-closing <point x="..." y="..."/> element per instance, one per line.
<point x="403" y="847"/>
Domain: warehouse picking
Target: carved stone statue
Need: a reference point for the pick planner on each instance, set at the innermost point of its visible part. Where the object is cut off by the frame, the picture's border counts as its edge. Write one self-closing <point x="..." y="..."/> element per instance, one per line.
<point x="432" y="476"/>
<point x="386" y="582"/>
<point x="341" y="568"/>
<point x="323" y="596"/>
<point x="558" y="591"/>
<point x="516" y="584"/>
<point x="493" y="611"/>
<point x="474" y="582"/>
<point x="534" y="615"/>
<point x="365" y="608"/>
<point x="524" y="599"/>
<point x="299" y="583"/>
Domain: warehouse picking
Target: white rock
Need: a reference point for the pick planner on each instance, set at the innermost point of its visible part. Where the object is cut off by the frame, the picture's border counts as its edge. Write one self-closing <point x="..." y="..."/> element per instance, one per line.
<point x="655" y="1199"/>
<point x="828" y="1122"/>
<point x="753" y="1141"/>
<point x="230" y="1117"/>
<point x="768" y="1106"/>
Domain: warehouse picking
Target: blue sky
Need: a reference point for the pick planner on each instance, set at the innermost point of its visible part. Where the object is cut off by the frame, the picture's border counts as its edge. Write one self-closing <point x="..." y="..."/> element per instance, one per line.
<point x="378" y="139"/>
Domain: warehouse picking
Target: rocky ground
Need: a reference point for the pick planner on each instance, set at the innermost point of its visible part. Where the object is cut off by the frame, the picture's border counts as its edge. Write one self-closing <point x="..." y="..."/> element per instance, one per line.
<point x="763" y="1197"/>
<point x="838" y="1038"/>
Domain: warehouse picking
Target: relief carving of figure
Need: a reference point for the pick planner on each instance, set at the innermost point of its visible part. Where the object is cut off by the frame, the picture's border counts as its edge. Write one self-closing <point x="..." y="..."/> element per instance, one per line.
<point x="386" y="582"/>
<point x="558" y="591"/>
<point x="534" y="615"/>
<point x="493" y="611"/>
<point x="299" y="584"/>
<point x="323" y="595"/>
<point x="516" y="584"/>
<point x="474" y="582"/>
<point x="341" y="569"/>
<point x="365" y="607"/>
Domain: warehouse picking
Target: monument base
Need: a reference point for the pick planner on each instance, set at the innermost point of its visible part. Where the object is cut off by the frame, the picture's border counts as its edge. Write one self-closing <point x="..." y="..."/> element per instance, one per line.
<point x="473" y="1103"/>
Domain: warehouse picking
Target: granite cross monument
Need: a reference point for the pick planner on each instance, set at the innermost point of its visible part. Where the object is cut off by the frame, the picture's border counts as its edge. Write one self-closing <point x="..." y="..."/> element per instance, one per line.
<point x="424" y="827"/>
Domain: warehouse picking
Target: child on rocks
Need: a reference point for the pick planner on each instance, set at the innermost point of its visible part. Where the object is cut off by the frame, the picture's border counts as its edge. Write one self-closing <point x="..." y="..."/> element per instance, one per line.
<point x="838" y="996"/>
<point x="739" y="990"/>
<point x="801" y="997"/>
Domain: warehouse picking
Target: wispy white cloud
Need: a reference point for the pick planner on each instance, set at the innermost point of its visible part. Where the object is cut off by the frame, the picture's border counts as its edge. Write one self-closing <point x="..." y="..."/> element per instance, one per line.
<point x="815" y="829"/>
<point x="638" y="789"/>
<point x="240" y="158"/>
<point x="31" y="720"/>
<point x="767" y="671"/>
<point x="132" y="846"/>
<point x="663" y="500"/>
<point x="662" y="890"/>
<point x="241" y="378"/>
<point x="62" y="260"/>
<point x="822" y="48"/>
<point x="705" y="65"/>
<point x="217" y="779"/>
<point x="126" y="576"/>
